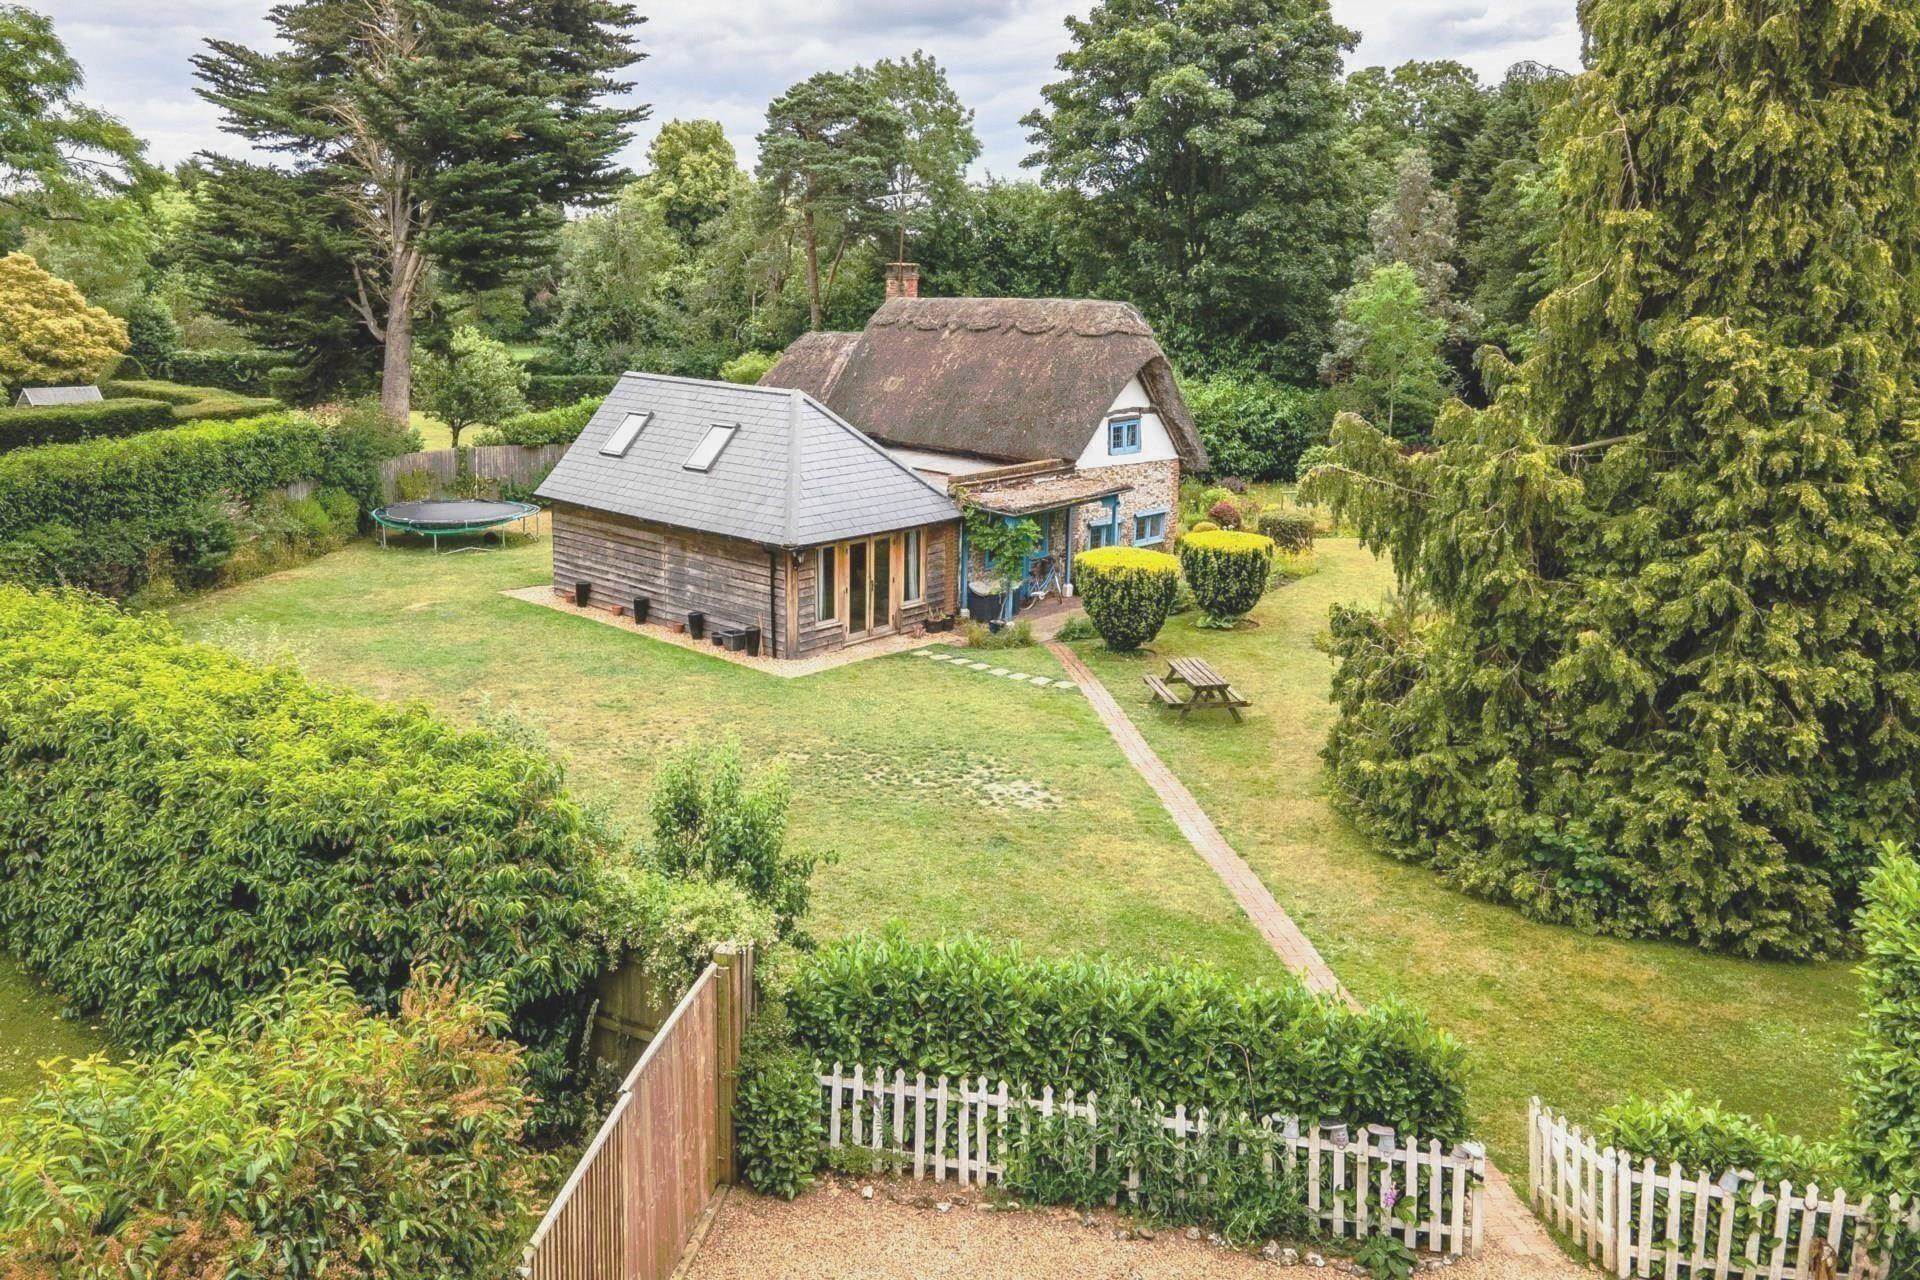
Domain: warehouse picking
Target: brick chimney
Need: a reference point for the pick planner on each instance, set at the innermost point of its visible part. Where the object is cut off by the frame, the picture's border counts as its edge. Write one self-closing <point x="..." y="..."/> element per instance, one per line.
<point x="903" y="280"/>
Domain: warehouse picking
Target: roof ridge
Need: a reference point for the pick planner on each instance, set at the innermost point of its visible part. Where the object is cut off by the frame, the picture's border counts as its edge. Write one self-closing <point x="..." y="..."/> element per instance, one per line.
<point x="644" y="376"/>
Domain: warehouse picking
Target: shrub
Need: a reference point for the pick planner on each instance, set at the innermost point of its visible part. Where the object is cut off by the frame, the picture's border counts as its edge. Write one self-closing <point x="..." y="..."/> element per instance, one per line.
<point x="561" y="425"/>
<point x="1203" y="526"/>
<point x="67" y="423"/>
<point x="309" y="1139"/>
<point x="473" y="379"/>
<point x="1884" y="1120"/>
<point x="669" y="925"/>
<point x="710" y="819"/>
<point x="1704" y="1137"/>
<point x="1128" y="592"/>
<point x="1218" y="1179"/>
<point x="776" y="1109"/>
<point x="1290" y="530"/>
<point x="1177" y="1034"/>
<point x="1078" y="627"/>
<point x="1019" y="635"/>
<point x="1227" y="571"/>
<point x="50" y="335"/>
<point x="748" y="366"/>
<point x="179" y="828"/>
<point x="1254" y="426"/>
<point x="1225" y="513"/>
<point x="249" y="372"/>
<point x="152" y="335"/>
<point x="192" y="404"/>
<point x="550" y="390"/>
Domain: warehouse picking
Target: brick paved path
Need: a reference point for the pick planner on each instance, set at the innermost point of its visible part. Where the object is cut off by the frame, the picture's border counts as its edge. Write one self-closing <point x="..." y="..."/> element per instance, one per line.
<point x="1511" y="1228"/>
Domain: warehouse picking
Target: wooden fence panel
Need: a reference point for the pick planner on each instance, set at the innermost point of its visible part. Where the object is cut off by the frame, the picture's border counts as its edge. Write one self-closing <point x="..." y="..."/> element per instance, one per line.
<point x="1637" y="1219"/>
<point x="633" y="1201"/>
<point x="520" y="464"/>
<point x="1357" y="1183"/>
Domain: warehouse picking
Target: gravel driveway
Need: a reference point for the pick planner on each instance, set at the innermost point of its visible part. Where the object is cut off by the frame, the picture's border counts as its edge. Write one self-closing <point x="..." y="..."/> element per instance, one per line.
<point x="835" y="1233"/>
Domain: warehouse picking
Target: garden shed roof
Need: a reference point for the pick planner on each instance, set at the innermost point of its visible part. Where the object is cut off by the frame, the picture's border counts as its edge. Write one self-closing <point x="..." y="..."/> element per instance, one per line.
<point x="1012" y="379"/>
<point x="44" y="397"/>
<point x="765" y="464"/>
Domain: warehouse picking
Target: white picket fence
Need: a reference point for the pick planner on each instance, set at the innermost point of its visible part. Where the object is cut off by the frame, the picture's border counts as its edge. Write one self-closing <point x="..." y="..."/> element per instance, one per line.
<point x="942" y="1129"/>
<point x="1637" y="1219"/>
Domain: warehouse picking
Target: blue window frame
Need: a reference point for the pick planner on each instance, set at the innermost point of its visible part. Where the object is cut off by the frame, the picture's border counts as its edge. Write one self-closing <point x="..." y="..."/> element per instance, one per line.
<point x="1123" y="435"/>
<point x="1149" y="527"/>
<point x="1101" y="535"/>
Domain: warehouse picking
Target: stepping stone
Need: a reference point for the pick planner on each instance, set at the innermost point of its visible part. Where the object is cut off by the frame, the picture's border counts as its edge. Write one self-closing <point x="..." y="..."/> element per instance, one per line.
<point x="977" y="666"/>
<point x="1065" y="684"/>
<point x="1020" y="676"/>
<point x="999" y="671"/>
<point x="941" y="657"/>
<point x="923" y="653"/>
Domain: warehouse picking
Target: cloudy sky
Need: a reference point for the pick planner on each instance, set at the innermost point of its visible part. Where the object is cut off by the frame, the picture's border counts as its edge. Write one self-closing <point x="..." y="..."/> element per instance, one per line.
<point x="724" y="59"/>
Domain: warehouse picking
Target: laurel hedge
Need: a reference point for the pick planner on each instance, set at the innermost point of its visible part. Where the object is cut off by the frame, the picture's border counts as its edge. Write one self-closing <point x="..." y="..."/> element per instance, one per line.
<point x="180" y="828"/>
<point x="1174" y="1033"/>
<point x="65" y="423"/>
<point x="1227" y="571"/>
<point x="312" y="1139"/>
<point x="1128" y="592"/>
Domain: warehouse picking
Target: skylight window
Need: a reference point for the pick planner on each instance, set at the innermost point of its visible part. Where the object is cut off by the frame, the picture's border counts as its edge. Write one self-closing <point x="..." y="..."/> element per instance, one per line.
<point x="624" y="435"/>
<point x="709" y="448"/>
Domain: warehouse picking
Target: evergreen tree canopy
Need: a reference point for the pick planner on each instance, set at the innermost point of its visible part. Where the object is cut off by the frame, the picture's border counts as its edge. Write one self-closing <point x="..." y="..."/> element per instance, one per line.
<point x="1658" y="670"/>
<point x="439" y="136"/>
<point x="1203" y="137"/>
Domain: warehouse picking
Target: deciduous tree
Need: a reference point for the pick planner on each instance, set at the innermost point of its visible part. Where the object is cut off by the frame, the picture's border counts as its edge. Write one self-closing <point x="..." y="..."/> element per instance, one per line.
<point x="1385" y="362"/>
<point x="48" y="331"/>
<point x="56" y="152"/>
<point x="475" y="380"/>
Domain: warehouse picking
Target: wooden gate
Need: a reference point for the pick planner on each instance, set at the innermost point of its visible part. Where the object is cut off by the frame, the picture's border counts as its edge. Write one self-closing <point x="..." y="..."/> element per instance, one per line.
<point x="633" y="1201"/>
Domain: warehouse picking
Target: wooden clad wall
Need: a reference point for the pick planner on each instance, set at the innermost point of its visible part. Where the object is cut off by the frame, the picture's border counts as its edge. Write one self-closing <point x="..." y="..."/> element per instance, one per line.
<point x="943" y="545"/>
<point x="677" y="569"/>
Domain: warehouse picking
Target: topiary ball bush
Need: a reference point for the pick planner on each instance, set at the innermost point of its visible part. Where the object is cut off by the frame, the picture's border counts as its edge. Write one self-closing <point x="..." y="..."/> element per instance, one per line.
<point x="1290" y="530"/>
<point x="1225" y="513"/>
<point x="1227" y="571"/>
<point x="1128" y="592"/>
<point x="1203" y="526"/>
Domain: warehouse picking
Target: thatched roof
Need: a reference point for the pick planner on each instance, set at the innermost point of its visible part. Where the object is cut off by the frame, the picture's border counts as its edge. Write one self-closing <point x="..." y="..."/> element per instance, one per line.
<point x="1011" y="379"/>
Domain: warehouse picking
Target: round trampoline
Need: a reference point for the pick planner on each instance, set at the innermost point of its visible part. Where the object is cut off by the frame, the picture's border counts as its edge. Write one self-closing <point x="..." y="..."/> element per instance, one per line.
<point x="450" y="517"/>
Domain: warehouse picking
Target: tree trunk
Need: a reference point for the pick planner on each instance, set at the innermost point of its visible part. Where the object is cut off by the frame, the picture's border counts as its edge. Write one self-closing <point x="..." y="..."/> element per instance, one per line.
<point x="813" y="271"/>
<point x="396" y="374"/>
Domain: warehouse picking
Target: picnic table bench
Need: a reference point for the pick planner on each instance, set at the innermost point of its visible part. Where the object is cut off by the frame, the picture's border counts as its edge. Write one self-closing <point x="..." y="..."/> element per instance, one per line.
<point x="1206" y="688"/>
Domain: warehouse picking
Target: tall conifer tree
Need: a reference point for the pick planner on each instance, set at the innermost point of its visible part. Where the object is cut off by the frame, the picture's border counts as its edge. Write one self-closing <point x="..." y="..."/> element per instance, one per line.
<point x="1658" y="675"/>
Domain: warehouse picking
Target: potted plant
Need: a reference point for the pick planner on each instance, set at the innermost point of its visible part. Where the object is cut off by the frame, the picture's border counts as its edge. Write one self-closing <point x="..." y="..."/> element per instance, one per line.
<point x="1005" y="545"/>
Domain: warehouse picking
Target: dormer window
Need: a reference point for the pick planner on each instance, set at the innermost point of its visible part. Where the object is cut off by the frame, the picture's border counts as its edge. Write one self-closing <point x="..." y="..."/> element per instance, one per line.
<point x="707" y="452"/>
<point x="625" y="434"/>
<point x="1123" y="434"/>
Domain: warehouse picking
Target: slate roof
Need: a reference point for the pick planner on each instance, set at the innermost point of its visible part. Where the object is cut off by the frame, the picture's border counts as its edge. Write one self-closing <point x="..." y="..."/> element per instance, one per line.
<point x="1011" y="379"/>
<point x="42" y="397"/>
<point x="794" y="475"/>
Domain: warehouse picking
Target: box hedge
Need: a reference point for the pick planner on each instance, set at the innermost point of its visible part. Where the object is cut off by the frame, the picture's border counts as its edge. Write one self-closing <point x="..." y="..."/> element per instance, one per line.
<point x="180" y="828"/>
<point x="1227" y="570"/>
<point x="249" y="372"/>
<point x="1128" y="592"/>
<point x="192" y="404"/>
<point x="313" y="1139"/>
<point x="66" y="423"/>
<point x="1179" y="1034"/>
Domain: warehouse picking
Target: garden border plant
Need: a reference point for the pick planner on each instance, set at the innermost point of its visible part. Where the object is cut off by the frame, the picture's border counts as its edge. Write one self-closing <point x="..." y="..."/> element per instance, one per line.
<point x="1128" y="592"/>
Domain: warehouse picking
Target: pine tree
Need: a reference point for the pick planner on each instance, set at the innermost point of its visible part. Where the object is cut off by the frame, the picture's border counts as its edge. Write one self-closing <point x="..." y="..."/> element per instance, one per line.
<point x="1658" y="673"/>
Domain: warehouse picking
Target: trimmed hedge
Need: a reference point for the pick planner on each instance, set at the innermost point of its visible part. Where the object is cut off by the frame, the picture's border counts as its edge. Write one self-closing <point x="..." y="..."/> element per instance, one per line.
<point x="561" y="425"/>
<point x="180" y="828"/>
<point x="1186" y="1034"/>
<point x="243" y="371"/>
<point x="552" y="390"/>
<point x="192" y="404"/>
<point x="1227" y="570"/>
<point x="1885" y="1082"/>
<point x="312" y="1140"/>
<point x="67" y="423"/>
<point x="1291" y="531"/>
<point x="1705" y="1137"/>
<point x="1128" y="592"/>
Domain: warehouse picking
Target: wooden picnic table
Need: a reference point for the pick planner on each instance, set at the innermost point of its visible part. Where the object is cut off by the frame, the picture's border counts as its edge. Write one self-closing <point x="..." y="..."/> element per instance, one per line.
<point x="1206" y="688"/>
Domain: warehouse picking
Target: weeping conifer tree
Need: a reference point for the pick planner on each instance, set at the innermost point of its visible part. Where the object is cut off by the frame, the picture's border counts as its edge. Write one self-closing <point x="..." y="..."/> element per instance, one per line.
<point x="1652" y="670"/>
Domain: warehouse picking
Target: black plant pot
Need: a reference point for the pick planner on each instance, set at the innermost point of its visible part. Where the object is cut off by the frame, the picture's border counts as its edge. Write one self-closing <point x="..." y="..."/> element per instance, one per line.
<point x="582" y="592"/>
<point x="753" y="642"/>
<point x="640" y="606"/>
<point x="697" y="623"/>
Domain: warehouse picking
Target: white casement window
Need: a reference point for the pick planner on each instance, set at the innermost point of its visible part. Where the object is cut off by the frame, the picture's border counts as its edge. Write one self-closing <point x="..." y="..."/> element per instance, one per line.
<point x="826" y="584"/>
<point x="913" y="574"/>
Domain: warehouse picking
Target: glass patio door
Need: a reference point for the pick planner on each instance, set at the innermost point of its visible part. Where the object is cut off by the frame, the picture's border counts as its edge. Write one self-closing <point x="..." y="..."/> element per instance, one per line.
<point x="858" y="615"/>
<point x="870" y="586"/>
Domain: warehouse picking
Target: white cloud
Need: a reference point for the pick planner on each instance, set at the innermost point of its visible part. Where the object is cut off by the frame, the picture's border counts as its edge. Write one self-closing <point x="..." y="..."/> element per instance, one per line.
<point x="724" y="61"/>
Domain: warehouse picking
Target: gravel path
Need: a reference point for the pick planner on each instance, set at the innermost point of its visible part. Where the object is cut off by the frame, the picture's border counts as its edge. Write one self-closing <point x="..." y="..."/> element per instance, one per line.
<point x="835" y="1233"/>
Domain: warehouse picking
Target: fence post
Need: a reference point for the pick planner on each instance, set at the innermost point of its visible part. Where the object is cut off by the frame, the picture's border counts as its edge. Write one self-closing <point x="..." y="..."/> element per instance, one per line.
<point x="732" y="1006"/>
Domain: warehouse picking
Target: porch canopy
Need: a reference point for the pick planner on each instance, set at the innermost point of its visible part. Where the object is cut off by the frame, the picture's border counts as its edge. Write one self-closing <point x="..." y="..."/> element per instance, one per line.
<point x="1031" y="495"/>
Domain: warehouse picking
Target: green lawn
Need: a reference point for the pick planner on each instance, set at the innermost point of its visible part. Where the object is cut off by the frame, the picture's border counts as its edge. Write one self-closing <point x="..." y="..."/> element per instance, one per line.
<point x="32" y="1030"/>
<point x="1575" y="1019"/>
<point x="952" y="800"/>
